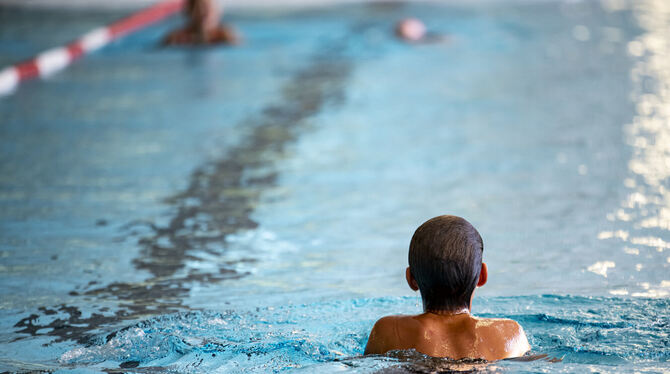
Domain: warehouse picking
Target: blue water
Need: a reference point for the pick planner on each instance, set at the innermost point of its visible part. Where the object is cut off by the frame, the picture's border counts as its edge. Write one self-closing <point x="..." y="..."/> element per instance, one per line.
<point x="587" y="336"/>
<point x="249" y="209"/>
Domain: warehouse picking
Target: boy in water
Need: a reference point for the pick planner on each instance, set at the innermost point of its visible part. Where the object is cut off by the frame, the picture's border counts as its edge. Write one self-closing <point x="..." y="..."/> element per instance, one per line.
<point x="445" y="265"/>
<point x="203" y="26"/>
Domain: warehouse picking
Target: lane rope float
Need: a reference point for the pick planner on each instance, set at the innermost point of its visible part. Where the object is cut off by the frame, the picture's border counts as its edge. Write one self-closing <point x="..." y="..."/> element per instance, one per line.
<point x="57" y="59"/>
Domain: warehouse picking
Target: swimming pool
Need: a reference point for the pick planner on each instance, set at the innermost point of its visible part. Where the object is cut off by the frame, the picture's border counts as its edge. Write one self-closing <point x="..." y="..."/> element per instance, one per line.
<point x="249" y="209"/>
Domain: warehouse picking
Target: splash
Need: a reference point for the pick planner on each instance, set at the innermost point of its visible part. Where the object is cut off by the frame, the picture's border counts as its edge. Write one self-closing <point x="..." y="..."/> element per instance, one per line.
<point x="580" y="330"/>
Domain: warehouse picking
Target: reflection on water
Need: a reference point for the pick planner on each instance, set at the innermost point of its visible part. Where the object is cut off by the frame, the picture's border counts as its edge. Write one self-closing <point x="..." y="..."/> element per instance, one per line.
<point x="647" y="207"/>
<point x="649" y="134"/>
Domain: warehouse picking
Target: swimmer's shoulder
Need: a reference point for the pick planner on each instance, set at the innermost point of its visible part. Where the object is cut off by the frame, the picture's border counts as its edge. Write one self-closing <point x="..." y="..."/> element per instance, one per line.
<point x="178" y="37"/>
<point x="507" y="336"/>
<point x="225" y="34"/>
<point x="390" y="333"/>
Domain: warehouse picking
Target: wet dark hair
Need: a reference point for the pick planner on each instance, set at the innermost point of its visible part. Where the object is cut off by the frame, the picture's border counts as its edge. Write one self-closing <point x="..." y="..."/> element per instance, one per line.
<point x="445" y="258"/>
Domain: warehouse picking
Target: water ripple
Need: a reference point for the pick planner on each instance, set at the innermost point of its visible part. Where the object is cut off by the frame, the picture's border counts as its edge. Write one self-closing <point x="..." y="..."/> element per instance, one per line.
<point x="589" y="331"/>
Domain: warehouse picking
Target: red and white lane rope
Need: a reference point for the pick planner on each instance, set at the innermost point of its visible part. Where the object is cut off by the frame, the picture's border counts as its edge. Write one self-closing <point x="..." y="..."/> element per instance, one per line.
<point x="56" y="59"/>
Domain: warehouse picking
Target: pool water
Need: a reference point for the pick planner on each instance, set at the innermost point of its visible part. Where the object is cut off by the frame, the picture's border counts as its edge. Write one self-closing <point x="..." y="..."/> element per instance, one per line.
<point x="249" y="209"/>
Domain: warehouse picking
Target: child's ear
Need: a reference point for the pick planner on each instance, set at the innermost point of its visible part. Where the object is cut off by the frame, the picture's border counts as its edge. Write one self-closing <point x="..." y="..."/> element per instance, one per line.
<point x="410" y="280"/>
<point x="483" y="275"/>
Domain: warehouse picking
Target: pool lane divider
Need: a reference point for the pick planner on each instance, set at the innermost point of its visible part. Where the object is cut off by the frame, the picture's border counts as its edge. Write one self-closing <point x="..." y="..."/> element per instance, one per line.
<point x="56" y="59"/>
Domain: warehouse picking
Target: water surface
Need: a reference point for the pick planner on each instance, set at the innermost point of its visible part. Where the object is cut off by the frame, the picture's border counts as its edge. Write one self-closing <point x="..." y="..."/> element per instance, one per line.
<point x="250" y="208"/>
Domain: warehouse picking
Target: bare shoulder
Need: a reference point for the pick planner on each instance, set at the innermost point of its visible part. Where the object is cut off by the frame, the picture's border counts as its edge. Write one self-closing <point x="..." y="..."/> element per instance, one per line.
<point x="179" y="36"/>
<point x="385" y="334"/>
<point x="508" y="335"/>
<point x="507" y="325"/>
<point x="384" y="325"/>
<point x="226" y="34"/>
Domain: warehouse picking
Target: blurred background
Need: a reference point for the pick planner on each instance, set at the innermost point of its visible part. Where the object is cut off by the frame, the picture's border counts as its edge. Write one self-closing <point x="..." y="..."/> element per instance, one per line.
<point x="249" y="207"/>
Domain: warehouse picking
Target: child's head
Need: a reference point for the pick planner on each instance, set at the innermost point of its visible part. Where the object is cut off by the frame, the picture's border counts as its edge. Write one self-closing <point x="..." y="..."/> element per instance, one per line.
<point x="445" y="260"/>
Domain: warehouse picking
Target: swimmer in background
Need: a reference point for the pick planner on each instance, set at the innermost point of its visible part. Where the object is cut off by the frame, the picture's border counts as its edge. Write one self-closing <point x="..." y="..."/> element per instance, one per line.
<point x="203" y="26"/>
<point x="413" y="30"/>
<point x="445" y="265"/>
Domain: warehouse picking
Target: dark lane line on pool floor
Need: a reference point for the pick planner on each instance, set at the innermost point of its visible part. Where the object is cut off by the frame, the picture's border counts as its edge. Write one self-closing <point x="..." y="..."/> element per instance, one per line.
<point x="218" y="202"/>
